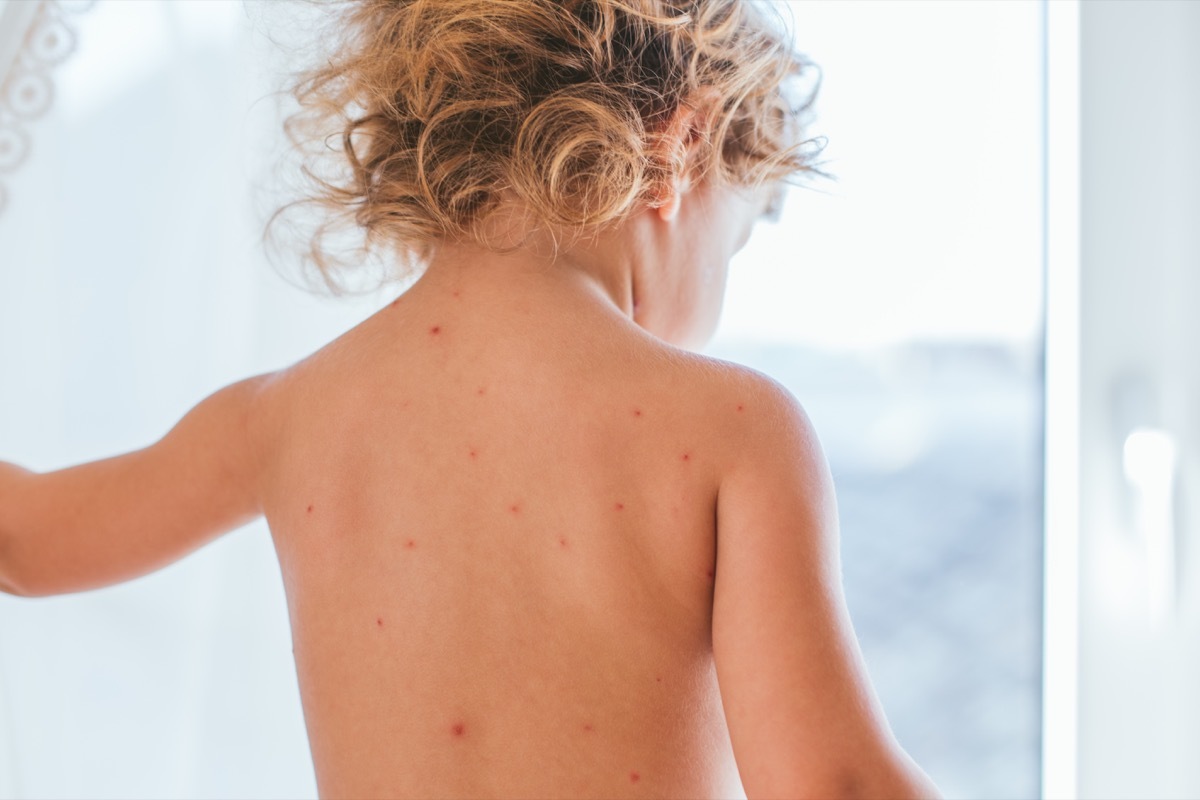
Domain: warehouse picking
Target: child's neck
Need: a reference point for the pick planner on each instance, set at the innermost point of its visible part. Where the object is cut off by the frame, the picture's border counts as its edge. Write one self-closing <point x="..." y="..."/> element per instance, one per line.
<point x="531" y="279"/>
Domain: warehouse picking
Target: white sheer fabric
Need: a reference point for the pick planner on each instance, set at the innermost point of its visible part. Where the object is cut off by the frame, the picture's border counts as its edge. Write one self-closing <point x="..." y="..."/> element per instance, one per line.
<point x="132" y="285"/>
<point x="34" y="38"/>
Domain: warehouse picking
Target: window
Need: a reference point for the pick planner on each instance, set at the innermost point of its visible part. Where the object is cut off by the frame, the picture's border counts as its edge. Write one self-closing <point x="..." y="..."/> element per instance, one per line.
<point x="903" y="306"/>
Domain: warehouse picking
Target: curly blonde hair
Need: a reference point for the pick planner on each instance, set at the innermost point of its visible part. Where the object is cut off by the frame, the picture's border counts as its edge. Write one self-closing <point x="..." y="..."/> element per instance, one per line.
<point x="424" y="113"/>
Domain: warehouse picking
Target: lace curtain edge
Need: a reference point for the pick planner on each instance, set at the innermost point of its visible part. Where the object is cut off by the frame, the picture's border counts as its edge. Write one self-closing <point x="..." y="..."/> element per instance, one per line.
<point x="34" y="39"/>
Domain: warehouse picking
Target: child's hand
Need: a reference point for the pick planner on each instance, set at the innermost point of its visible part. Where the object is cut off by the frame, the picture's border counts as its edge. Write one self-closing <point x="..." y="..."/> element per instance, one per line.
<point x="10" y="478"/>
<point x="118" y="518"/>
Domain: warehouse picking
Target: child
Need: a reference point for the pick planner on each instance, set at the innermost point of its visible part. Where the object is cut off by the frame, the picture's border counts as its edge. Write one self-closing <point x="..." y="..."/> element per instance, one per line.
<point x="533" y="546"/>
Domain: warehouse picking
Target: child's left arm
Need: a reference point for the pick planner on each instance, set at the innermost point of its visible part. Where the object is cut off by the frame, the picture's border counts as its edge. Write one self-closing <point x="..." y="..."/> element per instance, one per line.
<point x="108" y="521"/>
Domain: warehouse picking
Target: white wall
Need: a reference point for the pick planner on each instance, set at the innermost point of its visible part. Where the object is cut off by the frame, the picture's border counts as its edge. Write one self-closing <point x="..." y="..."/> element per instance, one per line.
<point x="1139" y="693"/>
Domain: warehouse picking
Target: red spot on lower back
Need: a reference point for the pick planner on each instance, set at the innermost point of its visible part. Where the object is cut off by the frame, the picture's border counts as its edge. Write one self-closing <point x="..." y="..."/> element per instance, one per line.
<point x="709" y="573"/>
<point x="659" y="679"/>
<point x="310" y="509"/>
<point x="634" y="777"/>
<point x="687" y="456"/>
<point x="587" y="726"/>
<point x="637" y="412"/>
<point x="740" y="407"/>
<point x="481" y="391"/>
<point x="379" y="621"/>
<point x="473" y="453"/>
<point x="619" y="507"/>
<point x="515" y="508"/>
<point x="455" y="294"/>
<point x="458" y="729"/>
<point x="410" y="544"/>
<point x="562" y="541"/>
<point x="435" y="330"/>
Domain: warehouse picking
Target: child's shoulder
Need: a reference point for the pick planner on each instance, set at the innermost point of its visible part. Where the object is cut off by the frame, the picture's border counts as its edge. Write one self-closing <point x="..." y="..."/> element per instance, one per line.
<point x="751" y="394"/>
<point x="753" y="414"/>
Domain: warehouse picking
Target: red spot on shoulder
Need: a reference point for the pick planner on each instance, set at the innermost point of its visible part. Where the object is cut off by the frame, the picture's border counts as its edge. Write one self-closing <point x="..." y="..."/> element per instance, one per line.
<point x="515" y="508"/>
<point x="562" y="541"/>
<point x="458" y="729"/>
<point x="310" y="509"/>
<point x="659" y="679"/>
<point x="455" y="293"/>
<point x="618" y="506"/>
<point x="435" y="330"/>
<point x="687" y="456"/>
<point x="379" y="621"/>
<point x="637" y="412"/>
<point x="741" y="407"/>
<point x="410" y="544"/>
<point x="474" y="453"/>
<point x="587" y="726"/>
<point x="634" y="777"/>
<point x="481" y="391"/>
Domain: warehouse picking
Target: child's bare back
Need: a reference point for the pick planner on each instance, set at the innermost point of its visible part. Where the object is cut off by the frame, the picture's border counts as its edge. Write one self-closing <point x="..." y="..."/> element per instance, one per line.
<point x="495" y="509"/>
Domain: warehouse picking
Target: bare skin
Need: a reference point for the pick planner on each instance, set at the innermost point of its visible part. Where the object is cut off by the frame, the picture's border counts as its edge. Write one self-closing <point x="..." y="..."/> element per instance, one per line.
<point x="531" y="547"/>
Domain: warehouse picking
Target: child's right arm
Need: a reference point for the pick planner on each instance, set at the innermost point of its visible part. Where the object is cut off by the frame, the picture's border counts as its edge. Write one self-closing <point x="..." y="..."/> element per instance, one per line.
<point x="802" y="716"/>
<point x="111" y="520"/>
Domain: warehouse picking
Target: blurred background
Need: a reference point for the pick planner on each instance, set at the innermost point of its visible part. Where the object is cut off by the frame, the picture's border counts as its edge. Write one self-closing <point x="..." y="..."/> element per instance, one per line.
<point x="989" y="318"/>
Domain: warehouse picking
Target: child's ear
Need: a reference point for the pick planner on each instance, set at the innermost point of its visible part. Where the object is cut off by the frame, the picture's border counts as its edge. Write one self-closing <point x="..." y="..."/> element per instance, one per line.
<point x="671" y="202"/>
<point x="679" y="141"/>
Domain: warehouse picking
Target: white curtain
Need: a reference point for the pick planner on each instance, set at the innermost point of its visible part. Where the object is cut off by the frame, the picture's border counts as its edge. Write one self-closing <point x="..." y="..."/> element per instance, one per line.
<point x="132" y="285"/>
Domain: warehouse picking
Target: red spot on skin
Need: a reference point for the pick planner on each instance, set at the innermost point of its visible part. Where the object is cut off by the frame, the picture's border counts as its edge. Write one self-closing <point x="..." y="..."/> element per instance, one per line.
<point x="473" y="453"/>
<point x="740" y="407"/>
<point x="619" y="507"/>
<point x="410" y="544"/>
<point x="394" y="302"/>
<point x="379" y="621"/>
<point x="310" y="509"/>
<point x="634" y="777"/>
<point x="481" y="391"/>
<point x="659" y="679"/>
<point x="515" y="508"/>
<point x="455" y="293"/>
<point x="637" y="412"/>
<point x="435" y="330"/>
<point x="709" y="573"/>
<point x="458" y="729"/>
<point x="687" y="456"/>
<point x="587" y="726"/>
<point x="562" y="541"/>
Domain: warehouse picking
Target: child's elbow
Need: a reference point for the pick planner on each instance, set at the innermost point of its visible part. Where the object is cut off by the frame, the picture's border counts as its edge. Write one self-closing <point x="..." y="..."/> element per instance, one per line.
<point x="854" y="779"/>
<point x="898" y="779"/>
